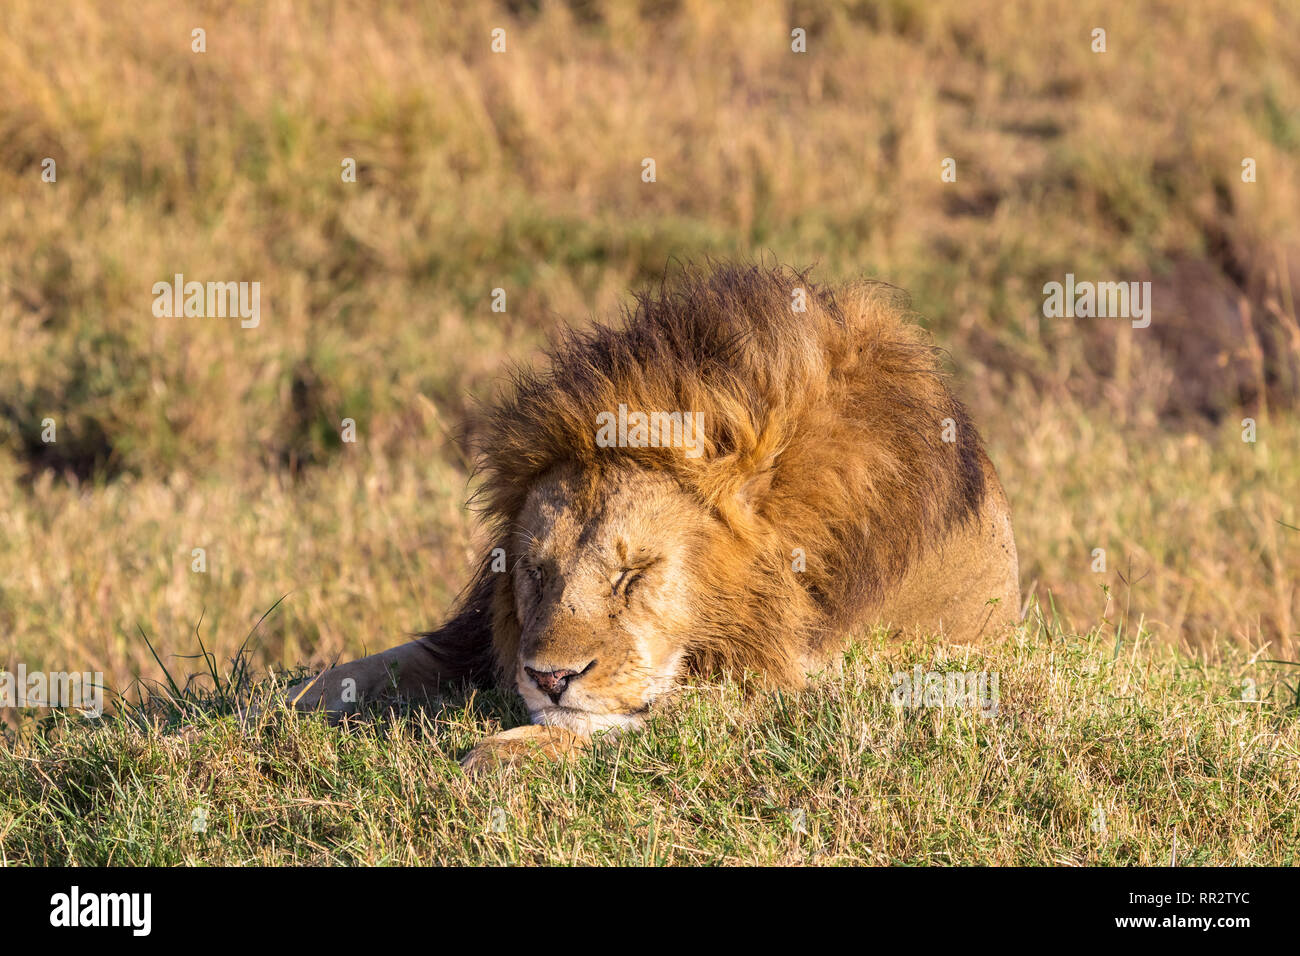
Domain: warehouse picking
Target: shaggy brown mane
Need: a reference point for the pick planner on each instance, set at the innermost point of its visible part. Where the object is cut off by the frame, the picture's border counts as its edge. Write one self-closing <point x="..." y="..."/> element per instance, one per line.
<point x="821" y="431"/>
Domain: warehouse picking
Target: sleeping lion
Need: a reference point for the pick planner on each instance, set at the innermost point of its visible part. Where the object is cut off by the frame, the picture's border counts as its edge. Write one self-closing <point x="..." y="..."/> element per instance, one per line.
<point x="742" y="474"/>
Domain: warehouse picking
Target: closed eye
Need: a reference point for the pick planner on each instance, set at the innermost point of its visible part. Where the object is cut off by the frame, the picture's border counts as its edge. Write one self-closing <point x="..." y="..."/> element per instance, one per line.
<point x="537" y="577"/>
<point x="627" y="579"/>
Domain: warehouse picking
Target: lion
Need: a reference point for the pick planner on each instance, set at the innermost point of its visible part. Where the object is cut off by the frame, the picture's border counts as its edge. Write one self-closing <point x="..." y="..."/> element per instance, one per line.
<point x="740" y="475"/>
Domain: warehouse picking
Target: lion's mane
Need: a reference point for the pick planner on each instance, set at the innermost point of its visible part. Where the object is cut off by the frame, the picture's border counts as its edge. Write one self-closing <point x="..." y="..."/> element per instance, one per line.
<point x="830" y="430"/>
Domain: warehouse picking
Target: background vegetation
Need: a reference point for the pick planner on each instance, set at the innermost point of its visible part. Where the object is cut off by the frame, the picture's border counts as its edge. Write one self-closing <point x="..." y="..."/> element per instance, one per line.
<point x="521" y="170"/>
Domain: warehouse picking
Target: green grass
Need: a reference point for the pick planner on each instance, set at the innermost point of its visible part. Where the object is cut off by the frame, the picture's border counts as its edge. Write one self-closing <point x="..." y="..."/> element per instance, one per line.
<point x="1104" y="750"/>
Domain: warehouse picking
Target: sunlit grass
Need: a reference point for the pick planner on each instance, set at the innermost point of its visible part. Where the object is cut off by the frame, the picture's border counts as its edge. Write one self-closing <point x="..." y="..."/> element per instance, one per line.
<point x="1103" y="749"/>
<point x="522" y="171"/>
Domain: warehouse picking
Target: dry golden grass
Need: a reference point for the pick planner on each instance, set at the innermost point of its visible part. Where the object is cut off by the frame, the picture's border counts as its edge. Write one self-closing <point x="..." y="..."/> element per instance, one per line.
<point x="522" y="171"/>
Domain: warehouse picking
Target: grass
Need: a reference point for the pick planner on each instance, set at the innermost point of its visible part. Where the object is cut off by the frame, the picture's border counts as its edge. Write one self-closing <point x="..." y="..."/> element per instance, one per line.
<point x="522" y="171"/>
<point x="1103" y="750"/>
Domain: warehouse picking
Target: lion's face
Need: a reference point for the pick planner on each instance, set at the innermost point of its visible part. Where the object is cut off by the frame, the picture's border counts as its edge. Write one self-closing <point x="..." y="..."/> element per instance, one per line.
<point x="603" y="597"/>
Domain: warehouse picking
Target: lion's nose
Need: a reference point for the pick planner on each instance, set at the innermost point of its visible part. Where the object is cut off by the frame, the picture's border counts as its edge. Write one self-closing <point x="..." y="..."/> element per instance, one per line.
<point x="554" y="683"/>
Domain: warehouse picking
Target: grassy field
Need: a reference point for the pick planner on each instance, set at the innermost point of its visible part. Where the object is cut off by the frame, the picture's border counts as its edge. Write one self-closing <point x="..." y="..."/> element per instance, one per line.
<point x="522" y="171"/>
<point x="1103" y="750"/>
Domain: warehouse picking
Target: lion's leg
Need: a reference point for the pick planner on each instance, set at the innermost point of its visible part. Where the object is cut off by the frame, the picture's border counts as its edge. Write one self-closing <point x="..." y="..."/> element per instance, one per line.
<point x="459" y="650"/>
<point x="524" y="743"/>
<point x="409" y="670"/>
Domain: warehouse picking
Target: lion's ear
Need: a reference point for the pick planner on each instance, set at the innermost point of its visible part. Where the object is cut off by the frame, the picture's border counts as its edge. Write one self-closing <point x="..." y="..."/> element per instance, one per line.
<point x="761" y="471"/>
<point x="737" y="484"/>
<point x="754" y="489"/>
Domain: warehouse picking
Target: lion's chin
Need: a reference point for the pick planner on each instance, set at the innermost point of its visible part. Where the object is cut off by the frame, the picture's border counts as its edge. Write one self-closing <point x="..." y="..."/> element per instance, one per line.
<point x="585" y="722"/>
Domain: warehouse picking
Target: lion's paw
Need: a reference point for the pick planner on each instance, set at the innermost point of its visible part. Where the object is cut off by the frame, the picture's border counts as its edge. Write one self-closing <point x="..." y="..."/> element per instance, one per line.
<point x="520" y="745"/>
